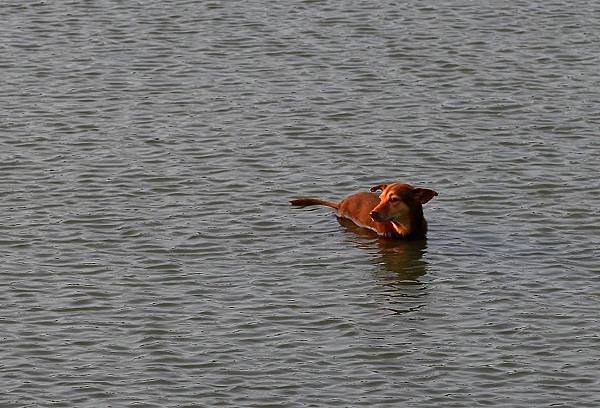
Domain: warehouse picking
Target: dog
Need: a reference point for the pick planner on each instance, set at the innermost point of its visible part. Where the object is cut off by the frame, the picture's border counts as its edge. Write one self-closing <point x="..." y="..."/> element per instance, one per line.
<point x="397" y="213"/>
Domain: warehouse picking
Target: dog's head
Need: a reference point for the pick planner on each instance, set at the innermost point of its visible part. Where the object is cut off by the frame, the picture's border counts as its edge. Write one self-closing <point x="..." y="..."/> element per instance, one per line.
<point x="398" y="201"/>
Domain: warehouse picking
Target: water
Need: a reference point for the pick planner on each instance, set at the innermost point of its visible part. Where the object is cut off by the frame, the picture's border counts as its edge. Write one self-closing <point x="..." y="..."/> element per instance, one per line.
<point x="148" y="151"/>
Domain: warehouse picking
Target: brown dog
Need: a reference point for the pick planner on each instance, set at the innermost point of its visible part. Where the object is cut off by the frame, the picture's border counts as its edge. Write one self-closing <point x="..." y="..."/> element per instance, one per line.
<point x="397" y="212"/>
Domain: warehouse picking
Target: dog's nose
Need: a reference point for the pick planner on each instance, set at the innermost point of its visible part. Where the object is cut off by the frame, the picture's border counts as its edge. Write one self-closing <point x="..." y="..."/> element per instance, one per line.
<point x="375" y="216"/>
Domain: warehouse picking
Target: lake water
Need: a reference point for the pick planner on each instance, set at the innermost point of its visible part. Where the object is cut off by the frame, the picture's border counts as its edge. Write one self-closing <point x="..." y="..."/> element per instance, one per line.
<point x="149" y="254"/>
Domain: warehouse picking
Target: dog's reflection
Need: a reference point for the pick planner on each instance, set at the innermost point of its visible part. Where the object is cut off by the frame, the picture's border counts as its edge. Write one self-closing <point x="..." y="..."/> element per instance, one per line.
<point x="402" y="260"/>
<point x="400" y="268"/>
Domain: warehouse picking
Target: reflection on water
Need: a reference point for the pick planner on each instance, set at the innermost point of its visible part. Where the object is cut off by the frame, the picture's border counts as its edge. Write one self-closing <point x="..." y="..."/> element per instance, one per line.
<point x="400" y="265"/>
<point x="404" y="259"/>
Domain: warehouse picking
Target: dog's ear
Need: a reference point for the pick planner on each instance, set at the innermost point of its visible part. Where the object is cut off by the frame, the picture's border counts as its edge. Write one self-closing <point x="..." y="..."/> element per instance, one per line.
<point x="378" y="187"/>
<point x="423" y="195"/>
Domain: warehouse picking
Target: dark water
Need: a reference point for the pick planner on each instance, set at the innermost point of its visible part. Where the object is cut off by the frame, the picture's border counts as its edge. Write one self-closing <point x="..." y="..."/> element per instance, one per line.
<point x="150" y="259"/>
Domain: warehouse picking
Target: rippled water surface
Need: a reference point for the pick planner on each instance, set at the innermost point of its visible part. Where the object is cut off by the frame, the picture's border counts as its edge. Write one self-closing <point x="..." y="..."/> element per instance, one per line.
<point x="148" y="151"/>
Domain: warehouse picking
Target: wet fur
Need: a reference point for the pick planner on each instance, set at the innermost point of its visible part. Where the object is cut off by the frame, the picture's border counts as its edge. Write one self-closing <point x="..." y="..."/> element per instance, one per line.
<point x="396" y="213"/>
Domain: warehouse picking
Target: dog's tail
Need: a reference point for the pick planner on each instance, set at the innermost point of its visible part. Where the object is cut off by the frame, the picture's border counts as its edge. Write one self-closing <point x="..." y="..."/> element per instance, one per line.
<point x="303" y="202"/>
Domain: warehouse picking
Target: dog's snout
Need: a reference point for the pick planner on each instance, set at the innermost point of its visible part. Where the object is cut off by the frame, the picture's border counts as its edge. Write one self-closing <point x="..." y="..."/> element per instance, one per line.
<point x="375" y="216"/>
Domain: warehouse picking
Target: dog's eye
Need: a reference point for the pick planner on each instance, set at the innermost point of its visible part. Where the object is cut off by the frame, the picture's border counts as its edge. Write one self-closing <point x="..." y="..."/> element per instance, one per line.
<point x="394" y="199"/>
